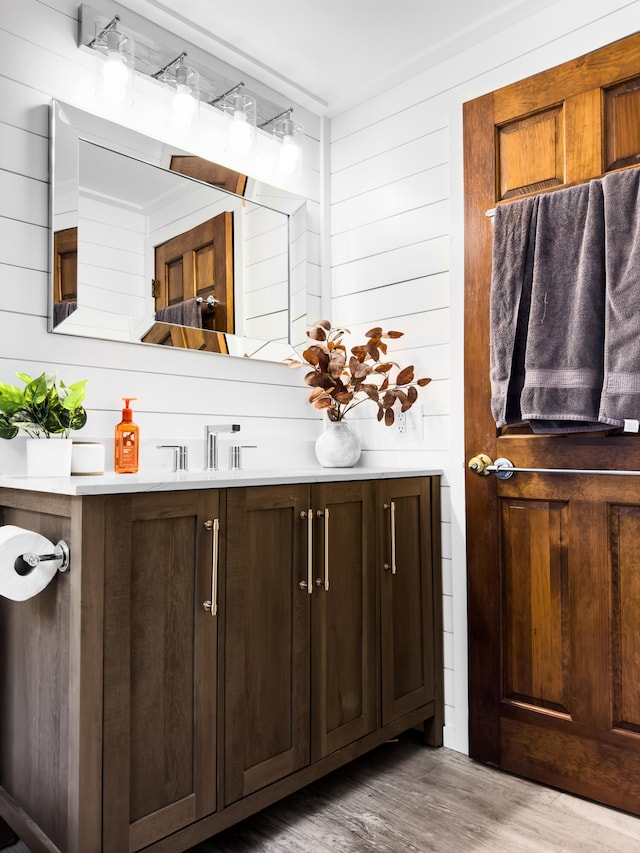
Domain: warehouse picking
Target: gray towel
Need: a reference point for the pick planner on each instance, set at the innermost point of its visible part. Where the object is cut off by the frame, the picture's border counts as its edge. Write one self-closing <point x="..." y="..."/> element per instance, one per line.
<point x="565" y="338"/>
<point x="186" y="313"/>
<point x="621" y="388"/>
<point x="547" y="310"/>
<point x="514" y="227"/>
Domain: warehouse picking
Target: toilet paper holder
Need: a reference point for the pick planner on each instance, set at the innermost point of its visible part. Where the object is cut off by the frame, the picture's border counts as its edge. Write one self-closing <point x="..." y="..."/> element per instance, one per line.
<point x="27" y="562"/>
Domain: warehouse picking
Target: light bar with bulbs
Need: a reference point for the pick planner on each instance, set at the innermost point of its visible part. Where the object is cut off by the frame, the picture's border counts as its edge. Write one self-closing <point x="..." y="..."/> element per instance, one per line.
<point x="125" y="43"/>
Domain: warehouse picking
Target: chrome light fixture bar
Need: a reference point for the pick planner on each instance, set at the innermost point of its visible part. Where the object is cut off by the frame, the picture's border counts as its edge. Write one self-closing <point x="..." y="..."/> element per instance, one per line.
<point x="159" y="52"/>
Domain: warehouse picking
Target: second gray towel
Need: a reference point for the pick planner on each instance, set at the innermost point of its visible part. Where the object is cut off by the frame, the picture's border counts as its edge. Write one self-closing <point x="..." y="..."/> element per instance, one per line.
<point x="621" y="388"/>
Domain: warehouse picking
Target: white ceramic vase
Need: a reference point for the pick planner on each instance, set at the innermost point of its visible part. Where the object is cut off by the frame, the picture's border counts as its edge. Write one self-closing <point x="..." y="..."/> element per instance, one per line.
<point x="48" y="457"/>
<point x="337" y="446"/>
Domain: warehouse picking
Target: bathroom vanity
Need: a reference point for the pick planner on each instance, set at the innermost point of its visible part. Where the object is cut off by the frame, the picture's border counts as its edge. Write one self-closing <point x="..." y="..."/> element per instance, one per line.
<point x="218" y="642"/>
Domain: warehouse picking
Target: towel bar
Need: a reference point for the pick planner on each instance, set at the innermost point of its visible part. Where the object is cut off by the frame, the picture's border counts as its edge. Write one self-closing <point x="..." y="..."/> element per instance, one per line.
<point x="504" y="469"/>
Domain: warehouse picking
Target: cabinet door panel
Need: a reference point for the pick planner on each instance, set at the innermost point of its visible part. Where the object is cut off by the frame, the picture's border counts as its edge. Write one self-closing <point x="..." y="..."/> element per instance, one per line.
<point x="160" y="671"/>
<point x="343" y="635"/>
<point x="266" y="617"/>
<point x="407" y="630"/>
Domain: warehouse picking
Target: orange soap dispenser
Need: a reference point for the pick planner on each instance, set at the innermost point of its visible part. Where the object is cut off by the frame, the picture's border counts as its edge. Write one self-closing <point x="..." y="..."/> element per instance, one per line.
<point x="125" y="457"/>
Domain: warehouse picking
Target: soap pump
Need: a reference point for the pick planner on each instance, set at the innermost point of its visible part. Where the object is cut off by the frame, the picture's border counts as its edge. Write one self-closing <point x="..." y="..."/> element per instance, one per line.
<point x="125" y="457"/>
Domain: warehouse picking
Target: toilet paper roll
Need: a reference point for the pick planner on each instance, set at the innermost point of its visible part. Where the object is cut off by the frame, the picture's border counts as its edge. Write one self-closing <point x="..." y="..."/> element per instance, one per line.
<point x="14" y="542"/>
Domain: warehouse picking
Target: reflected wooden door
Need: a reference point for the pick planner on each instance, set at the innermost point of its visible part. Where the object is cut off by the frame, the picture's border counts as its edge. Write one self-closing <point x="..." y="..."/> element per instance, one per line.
<point x="199" y="262"/>
<point x="553" y="582"/>
<point x="65" y="265"/>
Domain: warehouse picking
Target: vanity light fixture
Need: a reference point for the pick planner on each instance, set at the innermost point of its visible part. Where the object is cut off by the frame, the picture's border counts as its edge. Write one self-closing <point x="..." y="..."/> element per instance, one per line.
<point x="161" y="55"/>
<point x="183" y="87"/>
<point x="115" y="55"/>
<point x="289" y="133"/>
<point x="241" y="109"/>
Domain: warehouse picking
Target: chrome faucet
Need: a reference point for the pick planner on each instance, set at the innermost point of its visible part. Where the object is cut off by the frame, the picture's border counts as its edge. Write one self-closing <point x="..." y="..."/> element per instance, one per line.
<point x="211" y="443"/>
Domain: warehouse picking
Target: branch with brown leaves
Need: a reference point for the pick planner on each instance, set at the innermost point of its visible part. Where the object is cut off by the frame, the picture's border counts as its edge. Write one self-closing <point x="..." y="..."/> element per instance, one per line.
<point x="341" y="381"/>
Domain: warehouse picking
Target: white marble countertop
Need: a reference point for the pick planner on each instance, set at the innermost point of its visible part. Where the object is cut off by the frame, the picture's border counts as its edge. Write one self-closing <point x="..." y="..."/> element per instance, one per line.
<point x="162" y="481"/>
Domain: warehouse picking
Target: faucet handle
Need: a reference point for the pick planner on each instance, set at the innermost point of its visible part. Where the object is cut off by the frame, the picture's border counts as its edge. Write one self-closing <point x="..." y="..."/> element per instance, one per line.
<point x="235" y="456"/>
<point x="180" y="455"/>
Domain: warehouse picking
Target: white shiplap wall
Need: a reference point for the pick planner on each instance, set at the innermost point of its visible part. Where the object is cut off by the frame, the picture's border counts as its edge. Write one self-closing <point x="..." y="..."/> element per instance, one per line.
<point x="178" y="391"/>
<point x="397" y="252"/>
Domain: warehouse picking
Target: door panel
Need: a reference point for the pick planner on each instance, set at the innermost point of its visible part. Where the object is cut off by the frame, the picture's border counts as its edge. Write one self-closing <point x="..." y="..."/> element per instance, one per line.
<point x="159" y="732"/>
<point x="536" y="603"/>
<point x="406" y="598"/>
<point x="622" y="107"/>
<point x="552" y="683"/>
<point x="624" y="534"/>
<point x="343" y="649"/>
<point x="531" y="153"/>
<point x="266" y="617"/>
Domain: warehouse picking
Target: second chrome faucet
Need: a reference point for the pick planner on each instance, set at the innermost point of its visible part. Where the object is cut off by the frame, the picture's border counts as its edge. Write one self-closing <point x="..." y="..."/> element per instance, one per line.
<point x="211" y="443"/>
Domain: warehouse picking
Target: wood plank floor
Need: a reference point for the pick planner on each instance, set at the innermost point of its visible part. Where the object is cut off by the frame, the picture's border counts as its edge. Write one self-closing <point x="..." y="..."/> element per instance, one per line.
<point x="407" y="798"/>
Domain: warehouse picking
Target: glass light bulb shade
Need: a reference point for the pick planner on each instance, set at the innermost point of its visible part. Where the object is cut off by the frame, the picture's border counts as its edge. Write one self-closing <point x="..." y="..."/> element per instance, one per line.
<point x="115" y="64"/>
<point x="241" y="110"/>
<point x="289" y="156"/>
<point x="241" y="133"/>
<point x="183" y="106"/>
<point x="290" y="136"/>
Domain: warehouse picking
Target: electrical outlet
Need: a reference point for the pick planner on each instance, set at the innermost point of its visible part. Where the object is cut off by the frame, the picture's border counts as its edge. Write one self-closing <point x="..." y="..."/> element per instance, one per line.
<point x="409" y="423"/>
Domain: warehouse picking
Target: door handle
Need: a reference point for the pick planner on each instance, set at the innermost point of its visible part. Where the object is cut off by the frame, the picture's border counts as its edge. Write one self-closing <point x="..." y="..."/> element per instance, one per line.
<point x="324" y="513"/>
<point x="308" y="584"/>
<point x="392" y="519"/>
<point x="212" y="605"/>
<point x="479" y="464"/>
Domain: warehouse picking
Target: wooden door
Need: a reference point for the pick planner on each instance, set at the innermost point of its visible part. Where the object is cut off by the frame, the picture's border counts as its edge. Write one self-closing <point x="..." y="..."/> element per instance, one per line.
<point x="199" y="262"/>
<point x="266" y="638"/>
<point x="553" y="599"/>
<point x="160" y="671"/>
<point x="343" y="624"/>
<point x="410" y="627"/>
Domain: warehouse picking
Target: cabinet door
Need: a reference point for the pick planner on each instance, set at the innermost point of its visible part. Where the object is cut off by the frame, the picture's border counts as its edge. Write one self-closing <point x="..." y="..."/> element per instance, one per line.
<point x="343" y="648"/>
<point x="159" y="668"/>
<point x="406" y="596"/>
<point x="266" y="651"/>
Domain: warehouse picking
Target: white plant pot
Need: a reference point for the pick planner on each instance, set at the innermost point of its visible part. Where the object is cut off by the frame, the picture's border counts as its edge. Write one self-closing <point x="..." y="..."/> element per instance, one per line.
<point x="48" y="457"/>
<point x="337" y="446"/>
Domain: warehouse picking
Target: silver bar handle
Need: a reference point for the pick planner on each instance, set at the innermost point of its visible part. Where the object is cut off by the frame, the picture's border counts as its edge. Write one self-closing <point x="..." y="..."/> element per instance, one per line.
<point x="308" y="584"/>
<point x="212" y="605"/>
<point x="324" y="513"/>
<point x="504" y="469"/>
<point x="392" y="516"/>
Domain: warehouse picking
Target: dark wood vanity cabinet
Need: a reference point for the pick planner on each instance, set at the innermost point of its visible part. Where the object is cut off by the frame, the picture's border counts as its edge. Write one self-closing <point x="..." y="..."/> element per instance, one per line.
<point x="160" y="666"/>
<point x="227" y="648"/>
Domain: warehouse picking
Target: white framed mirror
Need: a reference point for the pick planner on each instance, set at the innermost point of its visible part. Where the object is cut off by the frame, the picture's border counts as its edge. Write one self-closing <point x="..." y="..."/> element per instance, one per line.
<point x="142" y="252"/>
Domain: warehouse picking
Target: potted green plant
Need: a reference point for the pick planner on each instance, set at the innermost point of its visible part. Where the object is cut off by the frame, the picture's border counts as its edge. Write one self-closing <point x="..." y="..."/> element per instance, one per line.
<point x="43" y="409"/>
<point x="342" y="380"/>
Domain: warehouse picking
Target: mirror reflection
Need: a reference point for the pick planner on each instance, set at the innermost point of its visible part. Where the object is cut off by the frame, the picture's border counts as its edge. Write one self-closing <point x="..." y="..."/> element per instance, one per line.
<point x="155" y="248"/>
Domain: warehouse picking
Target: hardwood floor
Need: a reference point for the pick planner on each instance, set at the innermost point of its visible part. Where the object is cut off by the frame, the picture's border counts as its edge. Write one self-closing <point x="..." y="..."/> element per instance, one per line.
<point x="407" y="798"/>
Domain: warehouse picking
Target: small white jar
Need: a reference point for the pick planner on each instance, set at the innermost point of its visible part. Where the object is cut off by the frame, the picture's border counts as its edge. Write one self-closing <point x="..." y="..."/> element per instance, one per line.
<point x="87" y="458"/>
